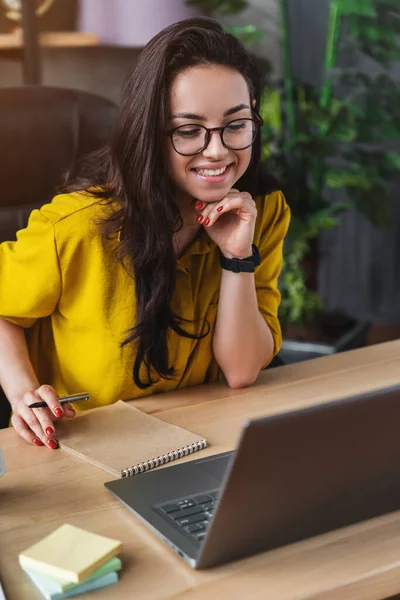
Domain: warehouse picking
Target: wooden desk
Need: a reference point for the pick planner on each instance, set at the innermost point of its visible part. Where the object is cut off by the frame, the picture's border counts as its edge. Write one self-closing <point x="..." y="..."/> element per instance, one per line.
<point x="43" y="489"/>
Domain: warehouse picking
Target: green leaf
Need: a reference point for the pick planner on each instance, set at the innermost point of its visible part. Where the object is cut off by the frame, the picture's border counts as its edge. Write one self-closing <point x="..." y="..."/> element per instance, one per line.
<point x="393" y="159"/>
<point x="270" y="110"/>
<point x="324" y="222"/>
<point x="335" y="107"/>
<point x="220" y="7"/>
<point x="340" y="207"/>
<point x="346" y="178"/>
<point x="248" y="34"/>
<point x="345" y="134"/>
<point x="298" y="304"/>
<point x="365" y="8"/>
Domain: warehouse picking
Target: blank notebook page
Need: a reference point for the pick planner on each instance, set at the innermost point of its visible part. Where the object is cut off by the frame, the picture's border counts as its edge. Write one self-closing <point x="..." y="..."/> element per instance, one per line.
<point x="118" y="436"/>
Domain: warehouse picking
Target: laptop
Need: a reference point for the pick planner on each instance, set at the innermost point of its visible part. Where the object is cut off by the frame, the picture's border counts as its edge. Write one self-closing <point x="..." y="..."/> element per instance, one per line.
<point x="293" y="476"/>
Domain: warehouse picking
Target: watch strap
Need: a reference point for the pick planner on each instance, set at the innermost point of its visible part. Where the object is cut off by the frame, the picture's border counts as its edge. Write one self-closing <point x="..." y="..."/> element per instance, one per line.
<point x="241" y="265"/>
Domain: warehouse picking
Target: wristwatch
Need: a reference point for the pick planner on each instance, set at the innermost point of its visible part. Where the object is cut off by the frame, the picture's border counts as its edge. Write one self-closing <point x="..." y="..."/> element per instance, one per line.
<point x="241" y="265"/>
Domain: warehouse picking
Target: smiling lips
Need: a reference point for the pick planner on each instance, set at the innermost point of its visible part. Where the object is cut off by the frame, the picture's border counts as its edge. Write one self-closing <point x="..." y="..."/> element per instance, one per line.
<point x="211" y="172"/>
<point x="218" y="174"/>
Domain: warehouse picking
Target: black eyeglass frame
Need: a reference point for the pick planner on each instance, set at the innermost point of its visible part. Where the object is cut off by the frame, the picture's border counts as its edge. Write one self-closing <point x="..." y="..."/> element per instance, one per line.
<point x="258" y="121"/>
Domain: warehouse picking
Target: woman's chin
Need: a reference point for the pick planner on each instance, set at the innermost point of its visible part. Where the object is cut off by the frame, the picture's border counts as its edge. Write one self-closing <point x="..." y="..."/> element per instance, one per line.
<point x="210" y="196"/>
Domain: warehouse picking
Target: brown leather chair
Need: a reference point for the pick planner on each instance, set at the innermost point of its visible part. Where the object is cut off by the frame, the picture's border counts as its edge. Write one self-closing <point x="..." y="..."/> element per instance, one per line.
<point x="43" y="132"/>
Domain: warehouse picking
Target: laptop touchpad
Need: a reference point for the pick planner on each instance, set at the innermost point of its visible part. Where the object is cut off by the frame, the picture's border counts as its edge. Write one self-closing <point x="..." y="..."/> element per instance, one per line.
<point x="216" y="467"/>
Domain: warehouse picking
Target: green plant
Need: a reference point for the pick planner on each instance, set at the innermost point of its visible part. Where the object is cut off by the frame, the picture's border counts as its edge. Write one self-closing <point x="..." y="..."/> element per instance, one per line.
<point x="336" y="141"/>
<point x="248" y="34"/>
<point x="220" y="7"/>
<point x="314" y="139"/>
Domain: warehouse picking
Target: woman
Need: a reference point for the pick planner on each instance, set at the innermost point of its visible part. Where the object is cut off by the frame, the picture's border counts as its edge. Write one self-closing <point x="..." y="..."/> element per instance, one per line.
<point x="127" y="279"/>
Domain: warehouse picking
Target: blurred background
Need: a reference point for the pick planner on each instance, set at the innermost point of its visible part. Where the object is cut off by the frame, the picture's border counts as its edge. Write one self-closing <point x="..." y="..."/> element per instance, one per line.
<point x="331" y="106"/>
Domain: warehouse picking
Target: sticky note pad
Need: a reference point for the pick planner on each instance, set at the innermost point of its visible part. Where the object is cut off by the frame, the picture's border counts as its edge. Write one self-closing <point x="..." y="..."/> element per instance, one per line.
<point x="81" y="588"/>
<point x="69" y="553"/>
<point x="58" y="586"/>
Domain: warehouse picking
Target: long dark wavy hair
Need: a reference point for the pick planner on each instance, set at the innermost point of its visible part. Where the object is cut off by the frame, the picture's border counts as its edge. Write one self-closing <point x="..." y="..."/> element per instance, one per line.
<point x="133" y="170"/>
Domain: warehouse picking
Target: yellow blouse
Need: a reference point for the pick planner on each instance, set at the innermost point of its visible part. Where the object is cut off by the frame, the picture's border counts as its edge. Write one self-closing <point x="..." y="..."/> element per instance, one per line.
<point x="62" y="280"/>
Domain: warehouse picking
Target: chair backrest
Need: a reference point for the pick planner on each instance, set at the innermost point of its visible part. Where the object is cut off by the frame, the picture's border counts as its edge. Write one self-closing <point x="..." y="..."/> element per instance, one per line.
<point x="43" y="132"/>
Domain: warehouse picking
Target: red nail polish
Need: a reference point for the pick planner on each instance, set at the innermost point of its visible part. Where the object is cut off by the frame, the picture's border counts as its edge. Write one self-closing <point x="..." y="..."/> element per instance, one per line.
<point x="58" y="412"/>
<point x="199" y="218"/>
<point x="198" y="205"/>
<point x="37" y="442"/>
<point x="206" y="222"/>
<point x="219" y="208"/>
<point x="52" y="444"/>
<point x="49" y="431"/>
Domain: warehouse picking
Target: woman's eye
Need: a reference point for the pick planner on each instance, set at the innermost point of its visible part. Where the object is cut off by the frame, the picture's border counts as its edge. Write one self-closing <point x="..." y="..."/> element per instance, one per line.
<point x="237" y="126"/>
<point x="184" y="133"/>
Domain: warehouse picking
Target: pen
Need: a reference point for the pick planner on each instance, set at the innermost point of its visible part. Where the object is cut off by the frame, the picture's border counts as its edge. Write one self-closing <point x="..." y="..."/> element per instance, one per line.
<point x="63" y="400"/>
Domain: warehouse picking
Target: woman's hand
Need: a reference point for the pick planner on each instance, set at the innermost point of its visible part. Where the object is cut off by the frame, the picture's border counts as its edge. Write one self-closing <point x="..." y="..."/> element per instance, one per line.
<point x="35" y="425"/>
<point x="230" y="223"/>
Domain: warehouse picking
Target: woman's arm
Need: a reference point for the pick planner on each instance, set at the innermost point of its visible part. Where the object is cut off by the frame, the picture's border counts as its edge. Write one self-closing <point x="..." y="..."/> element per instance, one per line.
<point x="247" y="331"/>
<point x="16" y="372"/>
<point x="242" y="341"/>
<point x="21" y="386"/>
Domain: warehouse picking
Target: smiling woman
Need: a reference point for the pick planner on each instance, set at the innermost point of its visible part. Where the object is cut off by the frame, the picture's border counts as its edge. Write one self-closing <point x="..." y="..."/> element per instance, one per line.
<point x="157" y="267"/>
<point x="210" y="149"/>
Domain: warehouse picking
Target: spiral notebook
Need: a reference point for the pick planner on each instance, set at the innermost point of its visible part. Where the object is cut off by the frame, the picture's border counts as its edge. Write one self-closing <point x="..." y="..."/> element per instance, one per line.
<point x="123" y="440"/>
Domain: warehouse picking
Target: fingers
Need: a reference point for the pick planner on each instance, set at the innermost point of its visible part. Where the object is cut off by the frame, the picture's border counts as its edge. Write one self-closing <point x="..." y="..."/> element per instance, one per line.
<point x="69" y="411"/>
<point x="30" y="427"/>
<point x="23" y="430"/>
<point x="45" y="416"/>
<point x="239" y="202"/>
<point x="205" y="209"/>
<point x="49" y="395"/>
<point x="36" y="425"/>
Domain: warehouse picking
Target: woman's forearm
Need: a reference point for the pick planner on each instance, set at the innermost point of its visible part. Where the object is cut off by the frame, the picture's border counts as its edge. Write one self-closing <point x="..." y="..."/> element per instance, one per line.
<point x="16" y="372"/>
<point x="242" y="341"/>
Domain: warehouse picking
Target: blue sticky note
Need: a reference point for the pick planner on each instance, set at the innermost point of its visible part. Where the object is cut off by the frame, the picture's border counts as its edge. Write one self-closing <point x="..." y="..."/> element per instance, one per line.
<point x="46" y="587"/>
<point x="55" y="586"/>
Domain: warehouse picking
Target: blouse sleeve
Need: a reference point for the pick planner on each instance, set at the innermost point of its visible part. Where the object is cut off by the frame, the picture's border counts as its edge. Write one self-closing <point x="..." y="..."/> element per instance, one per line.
<point x="269" y="239"/>
<point x="30" y="278"/>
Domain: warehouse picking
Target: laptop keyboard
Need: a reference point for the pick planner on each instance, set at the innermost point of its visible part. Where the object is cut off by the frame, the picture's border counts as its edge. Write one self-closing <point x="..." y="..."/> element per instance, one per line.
<point x="192" y="513"/>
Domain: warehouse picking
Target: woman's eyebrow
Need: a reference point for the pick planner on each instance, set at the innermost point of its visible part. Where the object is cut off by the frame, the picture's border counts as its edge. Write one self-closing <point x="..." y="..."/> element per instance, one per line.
<point x="185" y="115"/>
<point x="235" y="109"/>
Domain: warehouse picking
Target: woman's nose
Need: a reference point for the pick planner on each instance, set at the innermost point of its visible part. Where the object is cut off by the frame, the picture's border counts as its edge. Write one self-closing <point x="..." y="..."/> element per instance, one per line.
<point x="215" y="148"/>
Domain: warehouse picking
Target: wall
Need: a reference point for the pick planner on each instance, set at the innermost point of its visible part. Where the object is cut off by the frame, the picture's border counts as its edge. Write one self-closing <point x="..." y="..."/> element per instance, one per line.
<point x="102" y="70"/>
<point x="99" y="70"/>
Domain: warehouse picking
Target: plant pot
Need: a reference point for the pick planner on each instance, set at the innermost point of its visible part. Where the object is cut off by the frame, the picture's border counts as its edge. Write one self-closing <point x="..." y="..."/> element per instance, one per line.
<point x="325" y="336"/>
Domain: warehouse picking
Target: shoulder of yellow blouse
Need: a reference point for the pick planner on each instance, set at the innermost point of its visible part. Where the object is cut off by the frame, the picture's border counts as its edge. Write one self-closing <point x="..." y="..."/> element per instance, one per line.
<point x="271" y="207"/>
<point x="63" y="206"/>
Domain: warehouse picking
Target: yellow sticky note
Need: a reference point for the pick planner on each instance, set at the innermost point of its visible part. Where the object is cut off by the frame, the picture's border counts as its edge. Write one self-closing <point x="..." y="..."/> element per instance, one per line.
<point x="69" y="553"/>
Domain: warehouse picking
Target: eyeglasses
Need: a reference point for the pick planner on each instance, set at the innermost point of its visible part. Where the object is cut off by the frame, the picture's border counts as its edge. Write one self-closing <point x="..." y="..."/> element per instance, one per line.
<point x="192" y="139"/>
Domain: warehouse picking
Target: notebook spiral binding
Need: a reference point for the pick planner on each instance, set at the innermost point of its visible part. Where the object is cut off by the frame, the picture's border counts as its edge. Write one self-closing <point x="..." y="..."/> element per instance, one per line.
<point x="164" y="458"/>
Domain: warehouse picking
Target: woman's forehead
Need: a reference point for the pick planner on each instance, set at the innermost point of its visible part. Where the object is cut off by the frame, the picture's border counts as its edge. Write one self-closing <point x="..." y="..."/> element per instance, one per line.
<point x="207" y="88"/>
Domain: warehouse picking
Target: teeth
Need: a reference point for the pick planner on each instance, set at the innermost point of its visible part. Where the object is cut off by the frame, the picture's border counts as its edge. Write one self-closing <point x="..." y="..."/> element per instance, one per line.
<point x="211" y="172"/>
